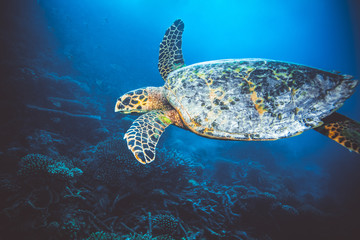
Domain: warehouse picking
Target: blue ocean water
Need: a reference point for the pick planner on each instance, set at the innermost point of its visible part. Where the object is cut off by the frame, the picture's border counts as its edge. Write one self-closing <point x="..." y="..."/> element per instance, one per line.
<point x="63" y="65"/>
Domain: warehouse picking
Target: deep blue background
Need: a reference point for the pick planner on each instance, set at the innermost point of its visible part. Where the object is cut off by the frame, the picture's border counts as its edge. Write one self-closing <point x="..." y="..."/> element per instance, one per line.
<point x="115" y="43"/>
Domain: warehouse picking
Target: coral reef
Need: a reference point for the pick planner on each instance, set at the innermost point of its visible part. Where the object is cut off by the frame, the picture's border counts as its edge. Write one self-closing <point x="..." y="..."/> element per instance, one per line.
<point x="109" y="195"/>
<point x="38" y="164"/>
<point x="165" y="224"/>
<point x="113" y="163"/>
<point x="104" y="236"/>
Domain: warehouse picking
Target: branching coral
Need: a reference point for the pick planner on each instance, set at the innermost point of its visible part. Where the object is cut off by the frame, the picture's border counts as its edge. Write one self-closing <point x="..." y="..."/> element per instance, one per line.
<point x="164" y="237"/>
<point x="38" y="164"/>
<point x="104" y="236"/>
<point x="114" y="162"/>
<point x="115" y="165"/>
<point x="59" y="169"/>
<point x="165" y="223"/>
<point x="34" y="164"/>
<point x="71" y="228"/>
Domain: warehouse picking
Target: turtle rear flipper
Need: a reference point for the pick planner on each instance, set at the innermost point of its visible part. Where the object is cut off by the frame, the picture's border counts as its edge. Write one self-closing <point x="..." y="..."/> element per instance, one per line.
<point x="144" y="134"/>
<point x="343" y="130"/>
<point x="170" y="54"/>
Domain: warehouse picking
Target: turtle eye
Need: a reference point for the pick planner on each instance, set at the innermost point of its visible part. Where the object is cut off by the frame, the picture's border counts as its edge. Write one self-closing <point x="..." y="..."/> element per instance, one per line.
<point x="126" y="101"/>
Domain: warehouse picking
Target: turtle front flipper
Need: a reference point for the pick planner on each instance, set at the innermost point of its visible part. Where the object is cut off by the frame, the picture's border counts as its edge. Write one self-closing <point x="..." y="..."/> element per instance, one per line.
<point x="144" y="134"/>
<point x="170" y="54"/>
<point x="343" y="130"/>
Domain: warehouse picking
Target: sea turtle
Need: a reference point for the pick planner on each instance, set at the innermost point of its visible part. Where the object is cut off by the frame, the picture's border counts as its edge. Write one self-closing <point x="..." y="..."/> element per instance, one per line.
<point x="237" y="99"/>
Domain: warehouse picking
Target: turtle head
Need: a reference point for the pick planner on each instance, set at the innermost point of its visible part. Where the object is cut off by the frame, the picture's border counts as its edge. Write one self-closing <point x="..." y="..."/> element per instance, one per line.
<point x="135" y="101"/>
<point x="142" y="100"/>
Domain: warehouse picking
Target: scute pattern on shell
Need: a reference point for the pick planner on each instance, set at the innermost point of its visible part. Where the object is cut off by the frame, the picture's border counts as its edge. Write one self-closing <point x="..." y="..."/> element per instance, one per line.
<point x="255" y="99"/>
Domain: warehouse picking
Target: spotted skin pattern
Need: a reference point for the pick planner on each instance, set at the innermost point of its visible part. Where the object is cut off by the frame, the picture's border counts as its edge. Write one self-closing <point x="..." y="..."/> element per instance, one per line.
<point x="133" y="101"/>
<point x="144" y="134"/>
<point x="170" y="54"/>
<point x="255" y="99"/>
<point x="343" y="130"/>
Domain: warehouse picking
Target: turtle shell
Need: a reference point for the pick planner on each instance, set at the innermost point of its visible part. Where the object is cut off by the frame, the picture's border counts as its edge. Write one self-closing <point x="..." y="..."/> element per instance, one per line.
<point x="254" y="99"/>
